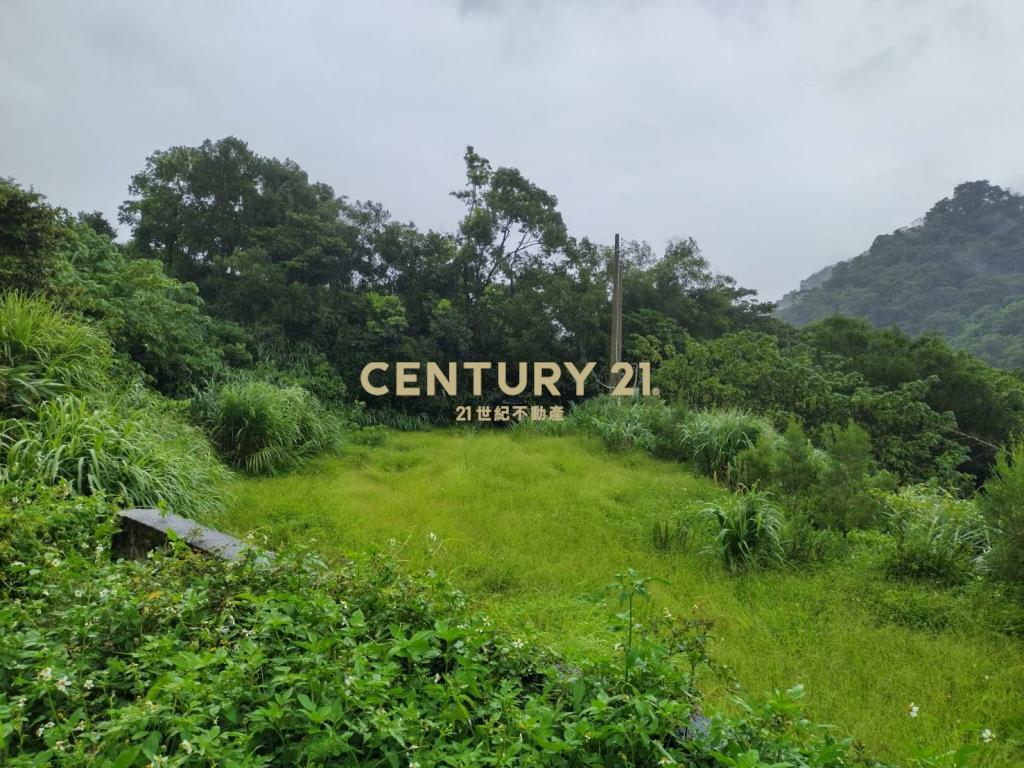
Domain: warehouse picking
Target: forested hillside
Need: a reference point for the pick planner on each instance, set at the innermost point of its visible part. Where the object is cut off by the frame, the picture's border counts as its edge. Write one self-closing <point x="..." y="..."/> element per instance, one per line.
<point x="958" y="273"/>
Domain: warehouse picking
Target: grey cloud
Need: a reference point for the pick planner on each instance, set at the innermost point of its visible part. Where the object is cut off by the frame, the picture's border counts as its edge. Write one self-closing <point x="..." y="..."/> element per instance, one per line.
<point x="782" y="135"/>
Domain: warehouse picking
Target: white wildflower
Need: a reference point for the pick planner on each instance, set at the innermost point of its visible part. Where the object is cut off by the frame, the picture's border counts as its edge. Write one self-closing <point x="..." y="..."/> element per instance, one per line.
<point x="43" y="728"/>
<point x="914" y="709"/>
<point x="45" y="673"/>
<point x="63" y="683"/>
<point x="187" y="746"/>
<point x="987" y="736"/>
<point x="88" y="684"/>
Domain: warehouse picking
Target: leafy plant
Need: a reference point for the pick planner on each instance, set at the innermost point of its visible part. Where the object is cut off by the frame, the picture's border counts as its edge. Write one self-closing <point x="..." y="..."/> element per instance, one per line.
<point x="842" y="499"/>
<point x="263" y="428"/>
<point x="788" y="462"/>
<point x="748" y="530"/>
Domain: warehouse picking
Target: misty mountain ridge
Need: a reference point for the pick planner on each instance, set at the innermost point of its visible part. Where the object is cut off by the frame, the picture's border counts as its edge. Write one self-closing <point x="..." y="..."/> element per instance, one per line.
<point x="957" y="272"/>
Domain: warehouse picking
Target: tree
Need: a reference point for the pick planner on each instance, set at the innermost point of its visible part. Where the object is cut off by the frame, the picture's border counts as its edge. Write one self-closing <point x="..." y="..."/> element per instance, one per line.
<point x="30" y="232"/>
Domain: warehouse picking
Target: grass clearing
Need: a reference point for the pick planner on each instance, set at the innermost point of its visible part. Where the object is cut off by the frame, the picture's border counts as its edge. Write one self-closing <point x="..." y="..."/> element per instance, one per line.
<point x="534" y="527"/>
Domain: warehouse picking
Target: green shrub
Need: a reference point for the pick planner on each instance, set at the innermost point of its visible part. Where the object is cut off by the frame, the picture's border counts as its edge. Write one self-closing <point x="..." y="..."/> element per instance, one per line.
<point x="145" y="456"/>
<point x="29" y="235"/>
<point x="711" y="440"/>
<point x="264" y="428"/>
<point x="621" y="423"/>
<point x="804" y="543"/>
<point x="787" y="462"/>
<point x="935" y="536"/>
<point x="44" y="353"/>
<point x="843" y="497"/>
<point x="1002" y="503"/>
<point x="748" y="530"/>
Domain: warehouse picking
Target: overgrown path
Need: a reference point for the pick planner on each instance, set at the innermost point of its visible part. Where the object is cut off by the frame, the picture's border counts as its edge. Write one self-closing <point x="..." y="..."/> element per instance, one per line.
<point x="534" y="527"/>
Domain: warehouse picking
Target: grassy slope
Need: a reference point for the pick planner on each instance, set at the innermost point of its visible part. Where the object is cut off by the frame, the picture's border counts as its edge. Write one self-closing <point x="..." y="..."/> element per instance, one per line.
<point x="536" y="526"/>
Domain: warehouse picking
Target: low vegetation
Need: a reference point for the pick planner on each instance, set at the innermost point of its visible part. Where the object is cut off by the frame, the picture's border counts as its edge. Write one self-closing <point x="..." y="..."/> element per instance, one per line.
<point x="264" y="428"/>
<point x="184" y="661"/>
<point x="531" y="526"/>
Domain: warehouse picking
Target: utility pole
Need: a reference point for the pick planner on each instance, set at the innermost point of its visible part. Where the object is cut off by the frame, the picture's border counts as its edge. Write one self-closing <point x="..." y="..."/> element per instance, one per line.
<point x="615" y="355"/>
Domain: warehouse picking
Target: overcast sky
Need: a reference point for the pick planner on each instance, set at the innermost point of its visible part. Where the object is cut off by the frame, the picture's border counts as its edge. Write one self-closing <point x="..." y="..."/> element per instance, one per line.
<point x="783" y="136"/>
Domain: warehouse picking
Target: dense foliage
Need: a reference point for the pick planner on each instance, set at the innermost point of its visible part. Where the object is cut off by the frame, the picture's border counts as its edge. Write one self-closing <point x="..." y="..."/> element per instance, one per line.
<point x="264" y="428"/>
<point x="955" y="273"/>
<point x="68" y="413"/>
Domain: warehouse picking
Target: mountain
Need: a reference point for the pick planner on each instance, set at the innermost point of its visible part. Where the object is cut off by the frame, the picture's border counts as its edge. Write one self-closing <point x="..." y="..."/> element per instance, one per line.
<point x="957" y="272"/>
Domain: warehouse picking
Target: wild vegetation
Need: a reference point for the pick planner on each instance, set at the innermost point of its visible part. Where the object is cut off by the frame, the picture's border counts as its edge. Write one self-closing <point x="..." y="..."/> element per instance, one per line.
<point x="221" y="343"/>
<point x="532" y="526"/>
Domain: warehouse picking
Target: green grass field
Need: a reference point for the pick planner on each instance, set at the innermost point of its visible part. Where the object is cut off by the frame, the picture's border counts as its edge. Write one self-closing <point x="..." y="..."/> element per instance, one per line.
<point x="534" y="527"/>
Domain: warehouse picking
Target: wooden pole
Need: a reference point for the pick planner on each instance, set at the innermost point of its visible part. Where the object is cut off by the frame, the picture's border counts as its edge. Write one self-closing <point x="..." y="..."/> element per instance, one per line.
<point x="615" y="355"/>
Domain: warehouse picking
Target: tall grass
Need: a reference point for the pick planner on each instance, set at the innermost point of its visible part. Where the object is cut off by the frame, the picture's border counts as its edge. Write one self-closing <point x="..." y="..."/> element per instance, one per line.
<point x="621" y="423"/>
<point x="748" y="530"/>
<point x="935" y="536"/>
<point x="264" y="428"/>
<point x="144" y="457"/>
<point x="44" y="352"/>
<point x="70" y="418"/>
<point x="711" y="440"/>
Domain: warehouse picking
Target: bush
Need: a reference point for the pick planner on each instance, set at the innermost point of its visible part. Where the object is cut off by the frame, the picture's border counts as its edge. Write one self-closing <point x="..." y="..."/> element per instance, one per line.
<point x="804" y="543"/>
<point x="144" y="456"/>
<point x="44" y="353"/>
<point x="935" y="536"/>
<point x="189" y="661"/>
<point x="1002" y="503"/>
<point x="711" y="440"/>
<point x="622" y="424"/>
<point x="263" y="428"/>
<point x="843" y="498"/>
<point x="787" y="462"/>
<point x="748" y="530"/>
